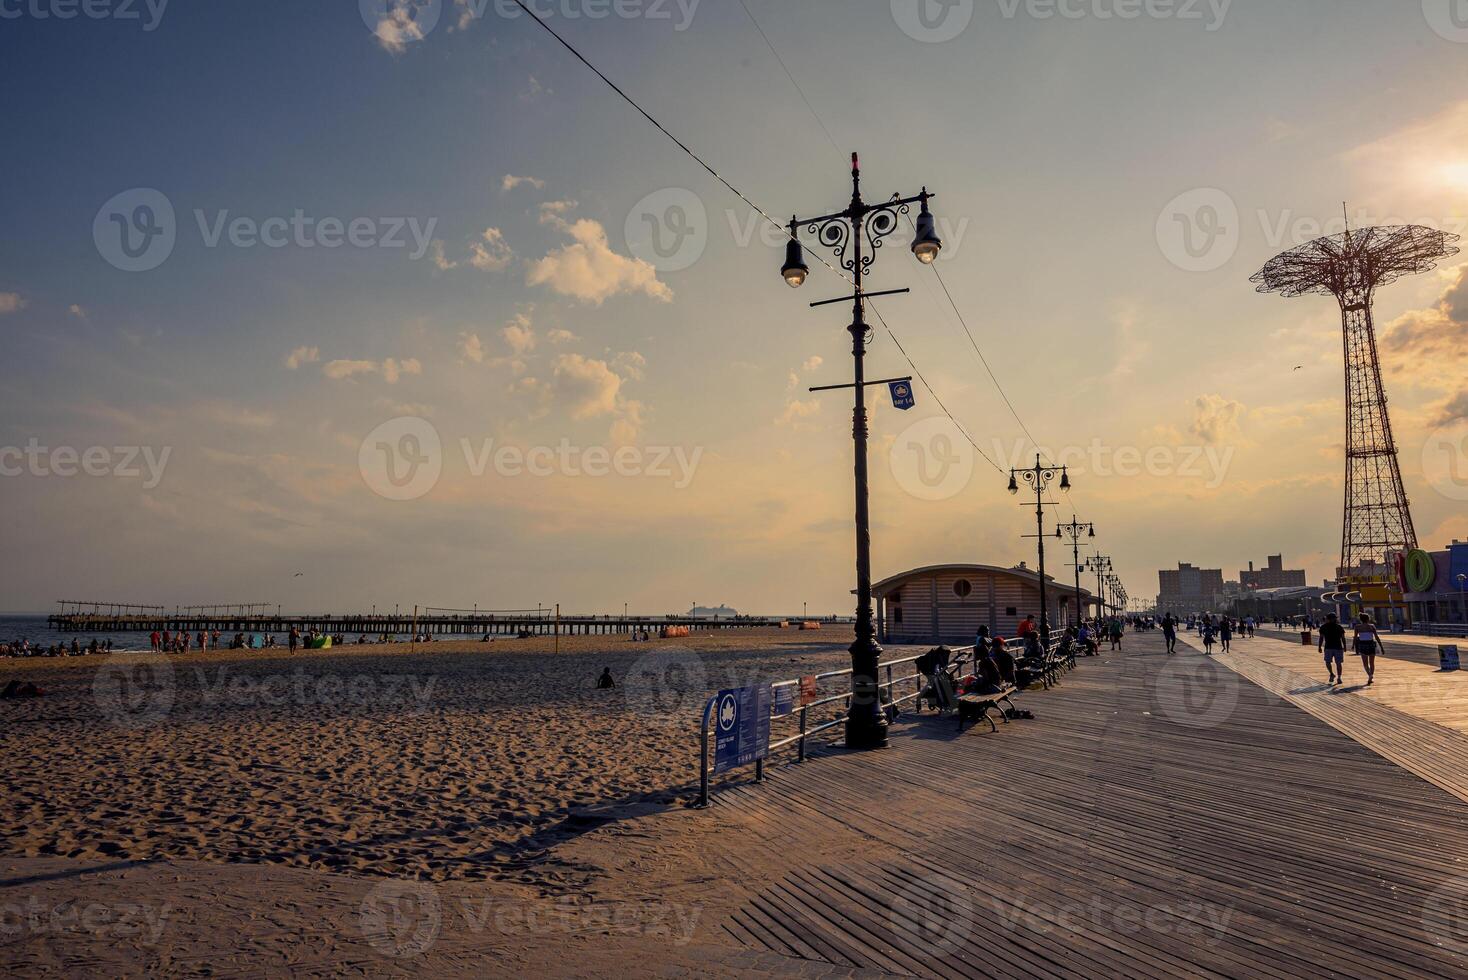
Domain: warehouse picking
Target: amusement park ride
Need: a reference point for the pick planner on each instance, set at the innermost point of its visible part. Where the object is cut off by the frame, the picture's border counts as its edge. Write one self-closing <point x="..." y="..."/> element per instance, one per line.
<point x="1380" y="560"/>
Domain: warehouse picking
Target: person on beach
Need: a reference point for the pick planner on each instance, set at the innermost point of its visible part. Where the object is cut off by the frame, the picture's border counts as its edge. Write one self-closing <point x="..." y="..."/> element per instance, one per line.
<point x="1367" y="643"/>
<point x="605" y="682"/>
<point x="295" y="639"/>
<point x="1332" y="645"/>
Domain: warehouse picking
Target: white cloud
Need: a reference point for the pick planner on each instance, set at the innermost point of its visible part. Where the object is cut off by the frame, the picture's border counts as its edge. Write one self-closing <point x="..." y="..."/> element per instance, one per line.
<point x="811" y="363"/>
<point x="441" y="260"/>
<point x="397" y="28"/>
<point x="533" y="90"/>
<point x="75" y="310"/>
<point x="492" y="253"/>
<point x="302" y="355"/>
<point x="797" y="411"/>
<point x="390" y="369"/>
<point x="626" y="429"/>
<point x="471" y="348"/>
<point x="587" y="386"/>
<point x="466" y="13"/>
<point x="510" y="182"/>
<point x="340" y="369"/>
<point x="11" y="303"/>
<point x="550" y="209"/>
<point x="589" y="270"/>
<point x="559" y="336"/>
<point x="630" y="364"/>
<point x="519" y="334"/>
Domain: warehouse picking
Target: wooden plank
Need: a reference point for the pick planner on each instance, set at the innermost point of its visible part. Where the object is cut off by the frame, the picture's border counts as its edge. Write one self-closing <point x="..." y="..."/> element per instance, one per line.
<point x="1323" y="854"/>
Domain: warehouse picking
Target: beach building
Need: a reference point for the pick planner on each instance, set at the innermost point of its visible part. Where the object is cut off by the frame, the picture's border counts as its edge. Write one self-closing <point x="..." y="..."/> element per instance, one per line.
<point x="1443" y="595"/>
<point x="948" y="603"/>
<point x="1273" y="576"/>
<point x="1189" y="589"/>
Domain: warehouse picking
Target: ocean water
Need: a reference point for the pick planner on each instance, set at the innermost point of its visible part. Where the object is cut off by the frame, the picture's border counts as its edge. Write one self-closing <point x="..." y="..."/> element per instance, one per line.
<point x="34" y="628"/>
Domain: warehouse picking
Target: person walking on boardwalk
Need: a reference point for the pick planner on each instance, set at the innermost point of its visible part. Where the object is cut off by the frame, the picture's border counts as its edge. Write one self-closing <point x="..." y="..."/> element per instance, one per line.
<point x="1169" y="632"/>
<point x="1207" y="630"/>
<point x="1116" y="631"/>
<point x="1332" y="645"/>
<point x="1367" y="643"/>
<point x="1225" y="632"/>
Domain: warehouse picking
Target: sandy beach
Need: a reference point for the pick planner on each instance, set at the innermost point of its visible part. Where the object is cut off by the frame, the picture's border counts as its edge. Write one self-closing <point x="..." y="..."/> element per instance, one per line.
<point x="457" y="761"/>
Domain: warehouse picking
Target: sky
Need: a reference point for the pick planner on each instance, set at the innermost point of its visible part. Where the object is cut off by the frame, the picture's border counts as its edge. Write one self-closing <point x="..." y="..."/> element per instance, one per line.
<point x="342" y="304"/>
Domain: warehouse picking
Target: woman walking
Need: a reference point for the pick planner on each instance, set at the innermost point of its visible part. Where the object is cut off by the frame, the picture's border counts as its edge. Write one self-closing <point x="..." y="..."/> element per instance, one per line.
<point x="1367" y="643"/>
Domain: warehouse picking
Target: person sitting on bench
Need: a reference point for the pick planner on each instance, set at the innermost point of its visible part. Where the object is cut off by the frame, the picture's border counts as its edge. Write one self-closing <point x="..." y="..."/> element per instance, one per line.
<point x="987" y="677"/>
<point x="1004" y="660"/>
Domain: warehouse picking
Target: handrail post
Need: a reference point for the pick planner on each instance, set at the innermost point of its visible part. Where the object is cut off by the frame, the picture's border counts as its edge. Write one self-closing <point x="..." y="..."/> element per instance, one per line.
<point x="703" y="769"/>
<point x="802" y="732"/>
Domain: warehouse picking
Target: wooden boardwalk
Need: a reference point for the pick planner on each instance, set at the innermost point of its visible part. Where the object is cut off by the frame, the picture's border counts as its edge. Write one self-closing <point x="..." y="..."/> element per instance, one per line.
<point x="1161" y="817"/>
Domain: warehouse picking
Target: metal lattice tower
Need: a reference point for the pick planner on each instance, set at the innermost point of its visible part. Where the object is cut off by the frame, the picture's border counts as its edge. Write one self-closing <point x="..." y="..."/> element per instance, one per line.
<point x="1350" y="267"/>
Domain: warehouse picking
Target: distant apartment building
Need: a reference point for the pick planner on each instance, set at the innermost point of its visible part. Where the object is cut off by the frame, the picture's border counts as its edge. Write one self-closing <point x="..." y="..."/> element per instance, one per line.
<point x="1189" y="589"/>
<point x="1274" y="576"/>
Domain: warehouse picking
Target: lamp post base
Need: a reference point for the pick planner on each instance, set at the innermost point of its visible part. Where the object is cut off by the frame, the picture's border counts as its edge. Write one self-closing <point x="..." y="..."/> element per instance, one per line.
<point x="866" y="725"/>
<point x="866" y="734"/>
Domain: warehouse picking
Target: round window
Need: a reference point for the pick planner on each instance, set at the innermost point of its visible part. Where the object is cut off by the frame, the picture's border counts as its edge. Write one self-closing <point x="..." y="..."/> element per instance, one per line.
<point x="962" y="588"/>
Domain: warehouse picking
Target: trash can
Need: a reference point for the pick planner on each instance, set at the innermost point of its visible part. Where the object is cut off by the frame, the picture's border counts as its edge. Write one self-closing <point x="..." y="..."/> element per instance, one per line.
<point x="1304" y="638"/>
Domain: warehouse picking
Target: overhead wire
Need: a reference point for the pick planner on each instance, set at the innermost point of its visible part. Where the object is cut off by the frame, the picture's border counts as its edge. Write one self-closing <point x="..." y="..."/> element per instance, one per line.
<point x="753" y="206"/>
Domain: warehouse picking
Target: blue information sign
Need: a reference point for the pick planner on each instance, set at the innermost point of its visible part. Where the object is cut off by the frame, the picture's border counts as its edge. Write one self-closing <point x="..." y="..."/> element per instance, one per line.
<point x="784" y="699"/>
<point x="741" y="726"/>
<point x="902" y="395"/>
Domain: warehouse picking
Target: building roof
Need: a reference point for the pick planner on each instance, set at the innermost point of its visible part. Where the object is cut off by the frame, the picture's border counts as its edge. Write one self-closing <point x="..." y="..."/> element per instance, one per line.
<point x="1029" y="575"/>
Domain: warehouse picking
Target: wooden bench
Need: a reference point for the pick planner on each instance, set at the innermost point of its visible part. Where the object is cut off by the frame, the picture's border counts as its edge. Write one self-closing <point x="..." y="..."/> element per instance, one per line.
<point x="977" y="706"/>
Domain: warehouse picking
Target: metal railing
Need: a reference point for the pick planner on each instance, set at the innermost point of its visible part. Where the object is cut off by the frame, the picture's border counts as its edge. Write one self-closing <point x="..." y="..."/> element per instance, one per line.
<point x="801" y="713"/>
<point x="1445" y="630"/>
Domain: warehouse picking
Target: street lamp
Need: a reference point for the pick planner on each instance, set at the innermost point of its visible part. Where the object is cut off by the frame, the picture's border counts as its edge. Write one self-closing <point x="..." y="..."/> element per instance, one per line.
<point x="1100" y="564"/>
<point x="1074" y="529"/>
<point x="843" y="232"/>
<point x="1039" y="479"/>
<point x="1462" y="599"/>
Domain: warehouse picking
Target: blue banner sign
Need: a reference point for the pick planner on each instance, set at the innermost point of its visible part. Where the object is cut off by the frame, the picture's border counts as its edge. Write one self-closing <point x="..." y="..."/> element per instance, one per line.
<point x="741" y="726"/>
<point x="784" y="700"/>
<point x="902" y="395"/>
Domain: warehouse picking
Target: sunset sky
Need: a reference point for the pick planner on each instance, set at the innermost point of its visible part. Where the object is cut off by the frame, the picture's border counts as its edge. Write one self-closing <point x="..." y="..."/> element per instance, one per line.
<point x="477" y="236"/>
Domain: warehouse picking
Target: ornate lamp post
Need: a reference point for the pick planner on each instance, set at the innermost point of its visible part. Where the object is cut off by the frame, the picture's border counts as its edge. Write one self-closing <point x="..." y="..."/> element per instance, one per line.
<point x="843" y="233"/>
<point x="1039" y="478"/>
<point x="1100" y="564"/>
<point x="1075" y="529"/>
